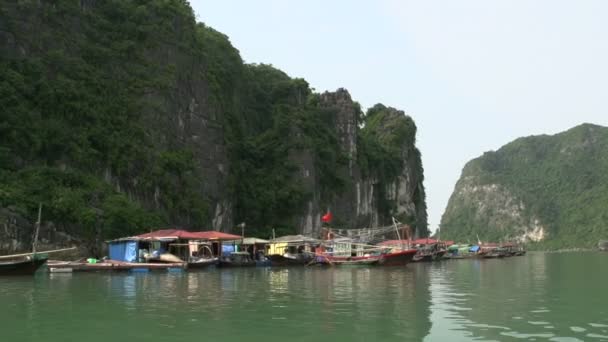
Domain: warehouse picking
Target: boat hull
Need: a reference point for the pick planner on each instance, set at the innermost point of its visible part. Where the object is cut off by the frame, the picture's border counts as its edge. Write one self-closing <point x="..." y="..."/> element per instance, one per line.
<point x="25" y="266"/>
<point x="429" y="257"/>
<point x="352" y="261"/>
<point x="281" y="261"/>
<point x="397" y="258"/>
<point x="112" y="266"/>
<point x="230" y="264"/>
<point x="202" y="263"/>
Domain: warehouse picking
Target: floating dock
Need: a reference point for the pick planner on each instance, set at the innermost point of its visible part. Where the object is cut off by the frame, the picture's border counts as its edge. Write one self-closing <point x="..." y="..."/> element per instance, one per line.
<point x="111" y="265"/>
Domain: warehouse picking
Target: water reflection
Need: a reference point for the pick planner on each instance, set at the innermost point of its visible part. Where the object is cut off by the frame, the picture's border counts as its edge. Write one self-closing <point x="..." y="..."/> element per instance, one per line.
<point x="542" y="296"/>
<point x="523" y="298"/>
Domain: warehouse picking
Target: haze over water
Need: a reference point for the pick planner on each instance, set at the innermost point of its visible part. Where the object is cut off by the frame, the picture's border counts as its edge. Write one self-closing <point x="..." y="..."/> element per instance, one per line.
<point x="542" y="297"/>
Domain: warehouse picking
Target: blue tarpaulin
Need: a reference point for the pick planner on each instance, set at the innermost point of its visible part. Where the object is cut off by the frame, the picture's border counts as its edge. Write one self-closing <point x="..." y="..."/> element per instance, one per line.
<point x="131" y="251"/>
<point x="474" y="249"/>
<point x="227" y="249"/>
<point x="123" y="251"/>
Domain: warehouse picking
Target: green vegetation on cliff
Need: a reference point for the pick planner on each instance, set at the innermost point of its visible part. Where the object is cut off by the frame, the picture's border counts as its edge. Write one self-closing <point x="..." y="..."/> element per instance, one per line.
<point x="382" y="142"/>
<point x="559" y="181"/>
<point x="95" y="99"/>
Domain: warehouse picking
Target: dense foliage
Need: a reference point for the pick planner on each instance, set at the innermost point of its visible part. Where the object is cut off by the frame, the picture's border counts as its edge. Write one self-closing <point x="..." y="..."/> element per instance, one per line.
<point x="88" y="89"/>
<point x="560" y="179"/>
<point x="386" y="138"/>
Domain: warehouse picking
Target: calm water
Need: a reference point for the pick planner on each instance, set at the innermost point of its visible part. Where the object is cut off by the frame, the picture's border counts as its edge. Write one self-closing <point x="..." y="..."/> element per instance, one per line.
<point x="542" y="297"/>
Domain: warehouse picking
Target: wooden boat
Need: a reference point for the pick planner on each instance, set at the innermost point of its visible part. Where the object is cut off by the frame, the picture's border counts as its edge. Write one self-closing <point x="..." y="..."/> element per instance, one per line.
<point x="26" y="265"/>
<point x="425" y="256"/>
<point x="397" y="258"/>
<point x="111" y="265"/>
<point x="196" y="263"/>
<point x="299" y="259"/>
<point x="497" y="253"/>
<point x="237" y="259"/>
<point x="365" y="260"/>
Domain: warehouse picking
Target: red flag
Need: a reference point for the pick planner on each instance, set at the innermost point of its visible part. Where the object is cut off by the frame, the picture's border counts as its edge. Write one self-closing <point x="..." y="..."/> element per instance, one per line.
<point x="327" y="217"/>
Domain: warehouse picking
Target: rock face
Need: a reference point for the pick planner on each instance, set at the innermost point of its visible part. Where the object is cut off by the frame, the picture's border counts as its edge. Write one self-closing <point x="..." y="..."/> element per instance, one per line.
<point x="544" y="190"/>
<point x="124" y="116"/>
<point x="371" y="197"/>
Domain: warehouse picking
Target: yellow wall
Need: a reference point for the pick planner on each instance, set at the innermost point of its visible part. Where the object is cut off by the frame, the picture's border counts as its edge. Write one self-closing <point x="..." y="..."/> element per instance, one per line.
<point x="277" y="248"/>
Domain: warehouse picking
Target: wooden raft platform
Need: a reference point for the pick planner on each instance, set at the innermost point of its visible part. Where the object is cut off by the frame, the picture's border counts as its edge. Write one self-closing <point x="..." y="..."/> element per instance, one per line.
<point x="110" y="265"/>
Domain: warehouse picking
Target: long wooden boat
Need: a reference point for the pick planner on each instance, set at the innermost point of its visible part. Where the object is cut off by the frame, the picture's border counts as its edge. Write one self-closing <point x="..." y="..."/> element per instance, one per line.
<point x="431" y="256"/>
<point x="237" y="259"/>
<point x="365" y="260"/>
<point x="497" y="253"/>
<point x="27" y="265"/>
<point x="111" y="265"/>
<point x="300" y="259"/>
<point x="398" y="258"/>
<point x="202" y="263"/>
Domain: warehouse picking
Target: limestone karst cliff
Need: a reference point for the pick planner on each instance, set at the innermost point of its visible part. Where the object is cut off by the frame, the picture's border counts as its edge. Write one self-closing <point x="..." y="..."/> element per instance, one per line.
<point x="119" y="116"/>
<point x="549" y="191"/>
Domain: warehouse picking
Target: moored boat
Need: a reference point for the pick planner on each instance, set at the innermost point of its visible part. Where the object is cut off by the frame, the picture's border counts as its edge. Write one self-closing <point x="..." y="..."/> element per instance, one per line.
<point x="291" y="250"/>
<point x="397" y="258"/>
<point x="499" y="252"/>
<point x="236" y="259"/>
<point x="25" y="265"/>
<point x="366" y="260"/>
<point x="429" y="250"/>
<point x="298" y="259"/>
<point x="194" y="263"/>
<point x="111" y="265"/>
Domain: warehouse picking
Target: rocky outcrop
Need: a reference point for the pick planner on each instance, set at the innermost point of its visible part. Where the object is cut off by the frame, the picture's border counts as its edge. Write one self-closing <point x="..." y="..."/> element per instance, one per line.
<point x="492" y="205"/>
<point x="549" y="191"/>
<point x="148" y="115"/>
<point x="371" y="198"/>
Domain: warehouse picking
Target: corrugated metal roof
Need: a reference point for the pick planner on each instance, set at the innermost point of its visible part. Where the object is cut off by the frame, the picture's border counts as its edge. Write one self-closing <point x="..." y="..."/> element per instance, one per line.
<point x="174" y="234"/>
<point x="293" y="238"/>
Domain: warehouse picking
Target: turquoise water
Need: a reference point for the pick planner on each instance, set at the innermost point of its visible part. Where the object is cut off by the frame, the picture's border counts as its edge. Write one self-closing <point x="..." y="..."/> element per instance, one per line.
<point x="541" y="297"/>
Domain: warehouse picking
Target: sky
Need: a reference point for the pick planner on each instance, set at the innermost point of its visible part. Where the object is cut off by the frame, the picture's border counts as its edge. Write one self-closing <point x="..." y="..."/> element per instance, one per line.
<point x="473" y="74"/>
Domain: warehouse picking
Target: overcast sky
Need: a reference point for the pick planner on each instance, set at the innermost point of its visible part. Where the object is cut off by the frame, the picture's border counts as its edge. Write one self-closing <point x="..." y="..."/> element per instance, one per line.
<point x="474" y="74"/>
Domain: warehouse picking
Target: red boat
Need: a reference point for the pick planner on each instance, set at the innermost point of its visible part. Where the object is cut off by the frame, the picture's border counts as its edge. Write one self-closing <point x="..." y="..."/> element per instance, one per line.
<point x="398" y="258"/>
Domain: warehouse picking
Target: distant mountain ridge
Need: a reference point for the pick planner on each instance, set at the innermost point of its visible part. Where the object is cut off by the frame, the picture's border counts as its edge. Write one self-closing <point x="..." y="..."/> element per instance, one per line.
<point x="548" y="190"/>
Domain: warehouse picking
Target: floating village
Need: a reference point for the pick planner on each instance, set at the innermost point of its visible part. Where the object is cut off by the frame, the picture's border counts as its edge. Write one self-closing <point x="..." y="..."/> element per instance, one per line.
<point x="181" y="250"/>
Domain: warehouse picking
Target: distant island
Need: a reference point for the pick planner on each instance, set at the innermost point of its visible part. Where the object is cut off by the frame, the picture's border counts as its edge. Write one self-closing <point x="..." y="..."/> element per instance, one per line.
<point x="548" y="191"/>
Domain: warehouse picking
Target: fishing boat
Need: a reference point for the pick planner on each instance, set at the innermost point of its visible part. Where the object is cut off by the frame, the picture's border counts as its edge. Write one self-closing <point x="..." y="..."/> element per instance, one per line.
<point x="287" y="259"/>
<point x="236" y="259"/>
<point x="27" y="263"/>
<point x="397" y="258"/>
<point x="24" y="265"/>
<point x="499" y="252"/>
<point x="365" y="260"/>
<point x="112" y="266"/>
<point x="291" y="250"/>
<point x="429" y="250"/>
<point x="194" y="262"/>
<point x="399" y="252"/>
